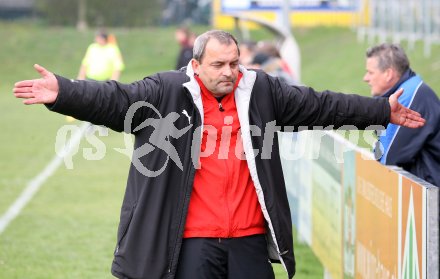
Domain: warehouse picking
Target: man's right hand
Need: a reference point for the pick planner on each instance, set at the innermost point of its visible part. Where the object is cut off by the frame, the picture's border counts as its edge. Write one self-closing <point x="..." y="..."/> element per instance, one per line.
<point x="38" y="91"/>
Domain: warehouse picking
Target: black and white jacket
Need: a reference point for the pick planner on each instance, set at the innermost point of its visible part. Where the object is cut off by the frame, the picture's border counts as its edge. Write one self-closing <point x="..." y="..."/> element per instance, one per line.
<point x="155" y="206"/>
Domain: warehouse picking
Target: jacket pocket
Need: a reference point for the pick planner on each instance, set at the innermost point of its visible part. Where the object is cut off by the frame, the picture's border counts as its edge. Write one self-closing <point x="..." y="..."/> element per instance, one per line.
<point x="124" y="224"/>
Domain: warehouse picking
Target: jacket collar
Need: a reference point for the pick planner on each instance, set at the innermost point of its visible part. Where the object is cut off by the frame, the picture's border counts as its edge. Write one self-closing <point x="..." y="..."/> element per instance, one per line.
<point x="242" y="93"/>
<point x="192" y="85"/>
<point x="407" y="75"/>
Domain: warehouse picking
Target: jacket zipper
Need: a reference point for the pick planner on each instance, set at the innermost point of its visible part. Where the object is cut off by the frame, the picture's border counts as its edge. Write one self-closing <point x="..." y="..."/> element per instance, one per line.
<point x="226" y="187"/>
<point x="228" y="213"/>
<point x="186" y="201"/>
<point x="188" y="185"/>
<point x="125" y="229"/>
<point x="269" y="223"/>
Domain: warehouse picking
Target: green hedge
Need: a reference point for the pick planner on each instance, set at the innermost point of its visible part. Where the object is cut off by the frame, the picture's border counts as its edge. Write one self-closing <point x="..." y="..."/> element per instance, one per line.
<point x="101" y="12"/>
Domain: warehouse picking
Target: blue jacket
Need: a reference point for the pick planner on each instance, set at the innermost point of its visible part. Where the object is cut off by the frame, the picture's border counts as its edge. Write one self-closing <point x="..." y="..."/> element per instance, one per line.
<point x="415" y="150"/>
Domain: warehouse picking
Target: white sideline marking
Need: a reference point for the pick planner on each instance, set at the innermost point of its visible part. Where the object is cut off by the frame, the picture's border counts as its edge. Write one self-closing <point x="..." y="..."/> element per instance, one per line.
<point x="35" y="184"/>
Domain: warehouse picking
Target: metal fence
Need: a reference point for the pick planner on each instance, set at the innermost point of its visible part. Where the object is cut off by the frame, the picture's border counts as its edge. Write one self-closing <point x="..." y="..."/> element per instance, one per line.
<point x="400" y="20"/>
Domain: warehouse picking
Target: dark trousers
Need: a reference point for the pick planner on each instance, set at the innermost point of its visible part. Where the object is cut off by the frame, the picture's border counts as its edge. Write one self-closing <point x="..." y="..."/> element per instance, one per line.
<point x="224" y="258"/>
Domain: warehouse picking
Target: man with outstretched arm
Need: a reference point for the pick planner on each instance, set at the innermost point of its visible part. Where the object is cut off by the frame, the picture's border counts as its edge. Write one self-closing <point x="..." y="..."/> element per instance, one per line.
<point x="218" y="208"/>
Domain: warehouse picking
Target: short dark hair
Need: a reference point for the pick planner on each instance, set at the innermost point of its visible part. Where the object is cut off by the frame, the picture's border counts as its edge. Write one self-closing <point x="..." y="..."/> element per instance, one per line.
<point x="390" y="56"/>
<point x="201" y="41"/>
<point x="103" y="34"/>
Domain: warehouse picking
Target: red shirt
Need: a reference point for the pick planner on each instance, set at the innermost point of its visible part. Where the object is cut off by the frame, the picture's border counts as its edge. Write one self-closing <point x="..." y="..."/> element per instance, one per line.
<point x="223" y="201"/>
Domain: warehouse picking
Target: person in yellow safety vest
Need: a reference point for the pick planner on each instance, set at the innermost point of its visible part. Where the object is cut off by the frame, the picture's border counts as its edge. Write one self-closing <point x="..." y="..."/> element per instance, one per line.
<point x="103" y="59"/>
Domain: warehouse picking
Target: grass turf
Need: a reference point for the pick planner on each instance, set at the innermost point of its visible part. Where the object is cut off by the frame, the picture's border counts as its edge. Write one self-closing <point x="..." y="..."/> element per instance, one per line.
<point x="68" y="230"/>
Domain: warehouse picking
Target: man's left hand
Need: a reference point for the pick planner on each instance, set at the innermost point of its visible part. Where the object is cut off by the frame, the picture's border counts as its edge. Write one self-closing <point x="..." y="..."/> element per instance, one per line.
<point x="403" y="116"/>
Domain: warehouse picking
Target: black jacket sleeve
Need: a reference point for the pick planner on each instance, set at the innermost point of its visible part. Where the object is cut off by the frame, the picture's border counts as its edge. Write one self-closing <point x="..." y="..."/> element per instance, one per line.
<point x="107" y="103"/>
<point x="301" y="106"/>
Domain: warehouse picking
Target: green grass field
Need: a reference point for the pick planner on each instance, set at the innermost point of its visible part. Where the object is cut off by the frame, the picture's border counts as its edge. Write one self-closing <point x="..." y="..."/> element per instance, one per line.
<point x="68" y="229"/>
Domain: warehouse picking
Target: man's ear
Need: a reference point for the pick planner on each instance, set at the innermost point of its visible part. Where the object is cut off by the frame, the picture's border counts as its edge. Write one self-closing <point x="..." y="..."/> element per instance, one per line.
<point x="195" y="65"/>
<point x="390" y="74"/>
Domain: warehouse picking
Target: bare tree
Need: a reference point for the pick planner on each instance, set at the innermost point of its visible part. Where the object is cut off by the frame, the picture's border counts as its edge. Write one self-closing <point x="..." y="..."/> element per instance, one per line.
<point x="81" y="24"/>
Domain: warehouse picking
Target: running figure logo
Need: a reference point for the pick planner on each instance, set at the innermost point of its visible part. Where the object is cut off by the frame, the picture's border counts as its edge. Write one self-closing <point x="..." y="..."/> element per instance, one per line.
<point x="164" y="128"/>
